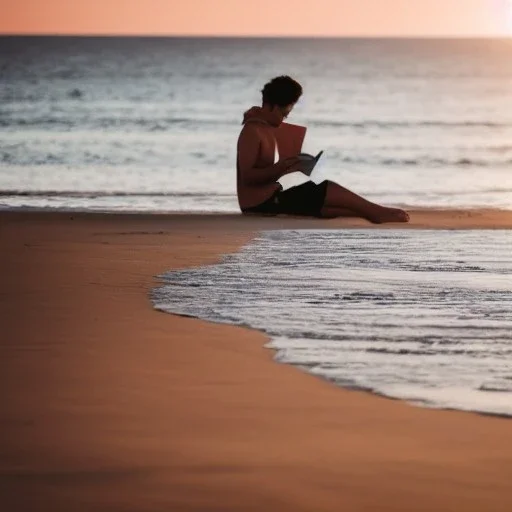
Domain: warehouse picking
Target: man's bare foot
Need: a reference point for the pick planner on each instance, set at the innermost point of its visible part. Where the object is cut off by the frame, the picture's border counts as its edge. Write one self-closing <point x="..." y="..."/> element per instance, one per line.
<point x="390" y="215"/>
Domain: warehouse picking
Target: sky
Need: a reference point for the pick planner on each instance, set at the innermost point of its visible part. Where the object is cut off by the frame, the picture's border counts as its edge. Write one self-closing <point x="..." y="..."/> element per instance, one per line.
<point x="321" y="18"/>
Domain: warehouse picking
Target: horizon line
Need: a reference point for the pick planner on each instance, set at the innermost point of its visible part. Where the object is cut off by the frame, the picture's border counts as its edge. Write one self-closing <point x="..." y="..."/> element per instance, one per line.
<point x="258" y="36"/>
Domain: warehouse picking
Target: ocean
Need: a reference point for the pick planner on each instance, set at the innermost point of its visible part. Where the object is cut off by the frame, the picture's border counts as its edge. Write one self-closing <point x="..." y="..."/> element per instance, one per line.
<point x="418" y="315"/>
<point x="150" y="124"/>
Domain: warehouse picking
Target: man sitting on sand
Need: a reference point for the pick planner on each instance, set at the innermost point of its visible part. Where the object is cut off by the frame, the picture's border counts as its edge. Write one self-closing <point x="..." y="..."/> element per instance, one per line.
<point x="257" y="186"/>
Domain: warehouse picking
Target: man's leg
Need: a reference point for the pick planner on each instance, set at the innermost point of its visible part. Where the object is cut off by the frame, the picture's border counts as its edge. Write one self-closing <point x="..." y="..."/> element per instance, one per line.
<point x="338" y="198"/>
<point x="329" y="212"/>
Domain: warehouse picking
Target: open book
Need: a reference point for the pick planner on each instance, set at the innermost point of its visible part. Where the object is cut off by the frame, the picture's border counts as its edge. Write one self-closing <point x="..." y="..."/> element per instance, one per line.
<point x="289" y="138"/>
<point x="308" y="162"/>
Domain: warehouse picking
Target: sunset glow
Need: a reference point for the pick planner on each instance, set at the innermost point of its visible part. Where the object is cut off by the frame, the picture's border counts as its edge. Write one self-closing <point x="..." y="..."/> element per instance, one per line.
<point x="321" y="18"/>
<point x="509" y="17"/>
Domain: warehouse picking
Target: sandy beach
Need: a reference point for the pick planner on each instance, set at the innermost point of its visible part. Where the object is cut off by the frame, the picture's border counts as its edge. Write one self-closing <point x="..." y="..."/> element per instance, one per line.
<point x="109" y="405"/>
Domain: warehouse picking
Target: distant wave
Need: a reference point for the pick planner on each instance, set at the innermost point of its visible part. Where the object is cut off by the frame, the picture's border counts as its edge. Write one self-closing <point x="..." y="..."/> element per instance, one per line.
<point x="74" y="121"/>
<point x="492" y="190"/>
<point x="426" y="162"/>
<point x="496" y="388"/>
<point x="19" y="157"/>
<point x="102" y="193"/>
<point x="91" y="194"/>
<point x="90" y="118"/>
<point x="369" y="123"/>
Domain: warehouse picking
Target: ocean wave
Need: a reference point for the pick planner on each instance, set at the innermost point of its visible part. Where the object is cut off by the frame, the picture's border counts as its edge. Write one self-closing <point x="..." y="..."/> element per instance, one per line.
<point x="374" y="123"/>
<point x="432" y="352"/>
<point x="74" y="121"/>
<point x="89" y="115"/>
<point x="426" y="162"/>
<point x="89" y="194"/>
<point x="496" y="388"/>
<point x="417" y="347"/>
<point x="17" y="154"/>
<point x="489" y="190"/>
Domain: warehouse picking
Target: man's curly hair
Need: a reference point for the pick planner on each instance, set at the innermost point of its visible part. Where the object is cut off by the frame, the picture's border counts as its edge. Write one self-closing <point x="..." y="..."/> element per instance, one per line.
<point x="281" y="91"/>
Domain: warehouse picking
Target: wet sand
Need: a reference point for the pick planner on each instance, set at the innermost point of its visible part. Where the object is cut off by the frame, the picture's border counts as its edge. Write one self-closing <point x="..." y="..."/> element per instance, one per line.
<point x="108" y="405"/>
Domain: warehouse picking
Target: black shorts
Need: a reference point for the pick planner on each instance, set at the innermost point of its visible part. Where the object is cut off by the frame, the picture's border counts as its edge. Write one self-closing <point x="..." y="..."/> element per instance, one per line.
<point x="305" y="200"/>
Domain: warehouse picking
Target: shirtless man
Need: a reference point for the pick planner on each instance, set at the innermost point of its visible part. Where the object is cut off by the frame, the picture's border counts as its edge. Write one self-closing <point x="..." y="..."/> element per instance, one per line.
<point x="258" y="188"/>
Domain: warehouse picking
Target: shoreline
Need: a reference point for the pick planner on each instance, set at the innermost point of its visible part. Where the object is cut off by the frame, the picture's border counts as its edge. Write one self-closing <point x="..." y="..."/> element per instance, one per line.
<point x="108" y="404"/>
<point x="421" y="218"/>
<point x="194" y="310"/>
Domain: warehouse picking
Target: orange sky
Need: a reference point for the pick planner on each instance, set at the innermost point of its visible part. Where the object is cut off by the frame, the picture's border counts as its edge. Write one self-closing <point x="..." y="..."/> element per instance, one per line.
<point x="261" y="17"/>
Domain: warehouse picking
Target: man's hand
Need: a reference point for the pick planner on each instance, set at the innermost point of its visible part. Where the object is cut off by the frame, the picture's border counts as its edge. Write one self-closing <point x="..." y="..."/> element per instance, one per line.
<point x="289" y="165"/>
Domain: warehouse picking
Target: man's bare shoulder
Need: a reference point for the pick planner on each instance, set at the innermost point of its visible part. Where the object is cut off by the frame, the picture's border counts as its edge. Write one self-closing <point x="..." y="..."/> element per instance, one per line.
<point x="255" y="130"/>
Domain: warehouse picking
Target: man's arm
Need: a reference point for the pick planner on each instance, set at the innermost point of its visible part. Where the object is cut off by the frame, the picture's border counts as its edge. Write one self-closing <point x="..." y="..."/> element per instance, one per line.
<point x="248" y="152"/>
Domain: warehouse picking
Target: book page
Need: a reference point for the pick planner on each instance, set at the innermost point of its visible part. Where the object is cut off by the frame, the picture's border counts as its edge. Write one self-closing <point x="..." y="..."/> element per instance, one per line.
<point x="289" y="138"/>
<point x="308" y="162"/>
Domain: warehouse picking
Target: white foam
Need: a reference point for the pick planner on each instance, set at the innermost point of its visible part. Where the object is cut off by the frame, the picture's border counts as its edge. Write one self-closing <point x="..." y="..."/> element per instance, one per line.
<point x="419" y="315"/>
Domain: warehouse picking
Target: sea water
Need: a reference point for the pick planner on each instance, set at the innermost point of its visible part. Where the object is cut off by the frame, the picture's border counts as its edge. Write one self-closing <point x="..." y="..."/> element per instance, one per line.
<point x="424" y="316"/>
<point x="151" y="124"/>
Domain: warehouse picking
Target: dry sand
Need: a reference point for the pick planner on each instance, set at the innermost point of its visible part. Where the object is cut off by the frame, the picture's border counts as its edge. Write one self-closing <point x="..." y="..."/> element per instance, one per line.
<point x="108" y="405"/>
